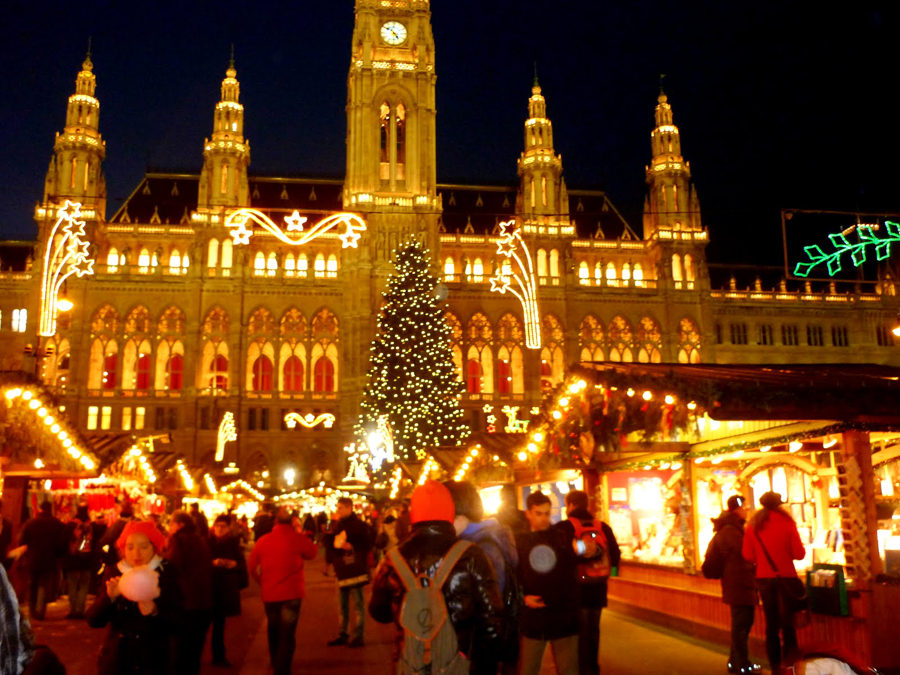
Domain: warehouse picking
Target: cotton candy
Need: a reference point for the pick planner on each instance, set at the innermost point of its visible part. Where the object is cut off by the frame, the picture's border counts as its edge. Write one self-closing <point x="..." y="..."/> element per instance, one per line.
<point x="140" y="583"/>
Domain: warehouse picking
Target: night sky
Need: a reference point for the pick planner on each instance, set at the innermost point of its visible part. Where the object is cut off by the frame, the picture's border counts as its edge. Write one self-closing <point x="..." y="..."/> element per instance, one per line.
<point x="778" y="105"/>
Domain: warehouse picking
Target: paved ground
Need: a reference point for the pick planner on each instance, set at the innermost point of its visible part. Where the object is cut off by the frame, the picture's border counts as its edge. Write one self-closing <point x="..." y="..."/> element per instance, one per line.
<point x="628" y="647"/>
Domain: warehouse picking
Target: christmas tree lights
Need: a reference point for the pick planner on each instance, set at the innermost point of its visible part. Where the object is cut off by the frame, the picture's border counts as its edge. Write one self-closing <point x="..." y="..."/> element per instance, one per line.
<point x="412" y="381"/>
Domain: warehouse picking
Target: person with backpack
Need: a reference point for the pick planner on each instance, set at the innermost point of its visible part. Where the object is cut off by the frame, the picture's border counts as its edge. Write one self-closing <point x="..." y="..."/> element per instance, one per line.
<point x="450" y="582"/>
<point x="772" y="542"/>
<point x="497" y="542"/>
<point x="79" y="560"/>
<point x="593" y="574"/>
<point x="724" y="560"/>
<point x="547" y="570"/>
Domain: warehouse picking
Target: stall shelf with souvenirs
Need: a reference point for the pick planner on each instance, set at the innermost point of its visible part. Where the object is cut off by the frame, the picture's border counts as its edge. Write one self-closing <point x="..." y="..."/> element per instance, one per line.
<point x="662" y="447"/>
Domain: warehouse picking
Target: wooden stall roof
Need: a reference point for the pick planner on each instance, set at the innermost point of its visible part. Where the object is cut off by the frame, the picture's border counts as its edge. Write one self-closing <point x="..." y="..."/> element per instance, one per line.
<point x="861" y="394"/>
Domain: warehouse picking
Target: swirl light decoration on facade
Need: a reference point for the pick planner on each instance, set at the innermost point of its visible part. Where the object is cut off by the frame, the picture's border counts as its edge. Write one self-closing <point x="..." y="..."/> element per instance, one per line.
<point x="295" y="232"/>
<point x="291" y="420"/>
<point x="66" y="253"/>
<point x="520" y="280"/>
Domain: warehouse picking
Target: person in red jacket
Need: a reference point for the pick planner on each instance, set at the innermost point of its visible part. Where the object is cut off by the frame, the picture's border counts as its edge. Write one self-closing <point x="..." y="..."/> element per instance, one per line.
<point x="276" y="563"/>
<point x="771" y="537"/>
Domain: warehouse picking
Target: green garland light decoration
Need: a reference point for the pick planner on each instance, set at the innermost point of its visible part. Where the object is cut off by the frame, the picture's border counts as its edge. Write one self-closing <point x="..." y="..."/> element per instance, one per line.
<point x="867" y="238"/>
<point x="412" y="380"/>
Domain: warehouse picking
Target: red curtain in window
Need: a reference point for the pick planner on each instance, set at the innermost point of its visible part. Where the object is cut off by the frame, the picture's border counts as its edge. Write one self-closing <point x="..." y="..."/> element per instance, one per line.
<point x="293" y="374"/>
<point x="473" y="377"/>
<point x="504" y="378"/>
<point x="219" y="379"/>
<point x="142" y="372"/>
<point x="175" y="372"/>
<point x="110" y="371"/>
<point x="546" y="376"/>
<point x="262" y="374"/>
<point x="324" y="375"/>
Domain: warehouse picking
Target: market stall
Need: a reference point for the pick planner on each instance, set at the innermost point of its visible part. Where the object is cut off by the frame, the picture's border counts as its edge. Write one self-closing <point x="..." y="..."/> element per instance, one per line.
<point x="663" y="447"/>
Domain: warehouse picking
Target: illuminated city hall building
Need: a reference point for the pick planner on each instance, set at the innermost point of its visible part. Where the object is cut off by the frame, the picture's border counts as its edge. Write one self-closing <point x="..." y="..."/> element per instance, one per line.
<point x="178" y="325"/>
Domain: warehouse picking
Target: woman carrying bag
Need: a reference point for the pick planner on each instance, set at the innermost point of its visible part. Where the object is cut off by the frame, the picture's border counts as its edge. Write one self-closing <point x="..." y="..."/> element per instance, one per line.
<point x="772" y="542"/>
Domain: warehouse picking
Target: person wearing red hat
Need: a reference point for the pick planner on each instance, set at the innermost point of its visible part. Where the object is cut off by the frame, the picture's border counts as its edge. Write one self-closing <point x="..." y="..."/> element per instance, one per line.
<point x="471" y="592"/>
<point x="138" y="637"/>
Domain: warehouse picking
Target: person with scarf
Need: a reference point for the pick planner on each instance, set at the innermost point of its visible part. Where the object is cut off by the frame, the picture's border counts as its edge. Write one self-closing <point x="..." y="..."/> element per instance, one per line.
<point x="138" y="637"/>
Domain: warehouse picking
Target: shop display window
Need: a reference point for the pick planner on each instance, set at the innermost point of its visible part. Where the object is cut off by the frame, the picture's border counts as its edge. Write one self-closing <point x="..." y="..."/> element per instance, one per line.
<point x="644" y="514"/>
<point x="887" y="490"/>
<point x="713" y="490"/>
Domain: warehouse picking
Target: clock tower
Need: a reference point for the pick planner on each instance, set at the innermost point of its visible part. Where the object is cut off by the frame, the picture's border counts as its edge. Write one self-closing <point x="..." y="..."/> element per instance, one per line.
<point x="391" y="176"/>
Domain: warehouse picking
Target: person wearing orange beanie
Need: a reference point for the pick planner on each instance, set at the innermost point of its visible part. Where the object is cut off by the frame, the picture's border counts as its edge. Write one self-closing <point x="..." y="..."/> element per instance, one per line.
<point x="431" y="501"/>
<point x="471" y="592"/>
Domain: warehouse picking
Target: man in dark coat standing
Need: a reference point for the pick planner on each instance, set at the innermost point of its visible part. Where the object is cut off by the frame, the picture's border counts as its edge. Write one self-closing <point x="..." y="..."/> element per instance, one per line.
<point x="229" y="577"/>
<point x="724" y="561"/>
<point x="351" y="566"/>
<point x="593" y="593"/>
<point x="45" y="539"/>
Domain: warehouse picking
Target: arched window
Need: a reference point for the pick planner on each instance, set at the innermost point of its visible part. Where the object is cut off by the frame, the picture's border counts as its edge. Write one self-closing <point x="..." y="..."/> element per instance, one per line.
<point x="584" y="274"/>
<point x="175" y="262"/>
<point x="649" y="341"/>
<point x="590" y="339"/>
<point x="544" y="190"/>
<point x="112" y="260"/>
<point x="324" y="375"/>
<point x="331" y="267"/>
<point x="504" y="376"/>
<point x="688" y="341"/>
<point x="262" y="374"/>
<point x="626" y="273"/>
<point x="554" y="263"/>
<point x="449" y="269"/>
<point x="385" y="136"/>
<point x="110" y="369"/>
<point x="144" y="261"/>
<point x="142" y="371"/>
<point x="611" y="278"/>
<point x="676" y="270"/>
<point x="302" y="265"/>
<point x="175" y="372"/>
<point x="638" y="275"/>
<point x="542" y="262"/>
<point x="259" y="264"/>
<point x="474" y="376"/>
<point x="290" y="265"/>
<point x="219" y="373"/>
<point x="689" y="269"/>
<point x="227" y="250"/>
<point x="401" y="134"/>
<point x="212" y="254"/>
<point x="477" y="270"/>
<point x="272" y="265"/>
<point x="320" y="266"/>
<point x="598" y="273"/>
<point x="292" y="375"/>
<point x="621" y="338"/>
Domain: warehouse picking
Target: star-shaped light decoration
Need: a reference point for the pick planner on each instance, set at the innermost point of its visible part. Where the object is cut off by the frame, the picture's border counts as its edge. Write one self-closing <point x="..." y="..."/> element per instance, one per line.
<point x="83" y="267"/>
<point x="70" y="211"/>
<point x="491" y="419"/>
<point x="295" y="222"/>
<point x="241" y="234"/>
<point x="506" y="246"/>
<point x="349" y="238"/>
<point x="508" y="228"/>
<point x="488" y="407"/>
<point x="499" y="282"/>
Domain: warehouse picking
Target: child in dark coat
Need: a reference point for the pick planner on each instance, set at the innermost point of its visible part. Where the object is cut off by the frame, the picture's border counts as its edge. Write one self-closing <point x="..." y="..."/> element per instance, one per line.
<point x="138" y="638"/>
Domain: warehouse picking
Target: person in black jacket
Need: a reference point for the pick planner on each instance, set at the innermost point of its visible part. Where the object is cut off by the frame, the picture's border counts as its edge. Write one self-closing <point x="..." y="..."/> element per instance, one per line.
<point x="351" y="566"/>
<point x="138" y="637"/>
<point x="229" y="576"/>
<point x="44" y="537"/>
<point x="471" y="592"/>
<point x="79" y="560"/>
<point x="594" y="592"/>
<point x="547" y="565"/>
<point x="264" y="521"/>
<point x="6" y="539"/>
<point x="188" y="554"/>
<point x="724" y="561"/>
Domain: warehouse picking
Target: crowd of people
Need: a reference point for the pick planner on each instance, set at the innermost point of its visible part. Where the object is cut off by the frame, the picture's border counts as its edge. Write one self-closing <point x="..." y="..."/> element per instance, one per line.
<point x="466" y="593"/>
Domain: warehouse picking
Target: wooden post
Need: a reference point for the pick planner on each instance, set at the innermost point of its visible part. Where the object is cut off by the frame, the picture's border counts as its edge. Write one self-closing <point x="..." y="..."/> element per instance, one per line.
<point x="687" y="517"/>
<point x="858" y="520"/>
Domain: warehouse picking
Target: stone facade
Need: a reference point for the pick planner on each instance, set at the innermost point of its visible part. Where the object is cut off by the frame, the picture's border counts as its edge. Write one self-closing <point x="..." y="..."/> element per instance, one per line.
<point x="178" y="325"/>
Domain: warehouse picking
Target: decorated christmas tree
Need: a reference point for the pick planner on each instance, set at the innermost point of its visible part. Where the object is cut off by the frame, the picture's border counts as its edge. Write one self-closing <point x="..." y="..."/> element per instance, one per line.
<point x="412" y="394"/>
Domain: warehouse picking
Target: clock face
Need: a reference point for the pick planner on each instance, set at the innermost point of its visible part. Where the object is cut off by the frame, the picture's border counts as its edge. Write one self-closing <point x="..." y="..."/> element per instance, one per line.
<point x="393" y="32"/>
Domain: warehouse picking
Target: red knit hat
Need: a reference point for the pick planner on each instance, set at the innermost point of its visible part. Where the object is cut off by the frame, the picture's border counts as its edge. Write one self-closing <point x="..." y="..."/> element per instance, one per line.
<point x="146" y="528"/>
<point x="431" y="501"/>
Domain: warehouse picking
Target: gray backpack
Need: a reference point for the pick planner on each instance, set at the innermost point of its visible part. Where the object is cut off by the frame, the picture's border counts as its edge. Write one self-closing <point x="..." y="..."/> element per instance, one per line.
<point x="429" y="639"/>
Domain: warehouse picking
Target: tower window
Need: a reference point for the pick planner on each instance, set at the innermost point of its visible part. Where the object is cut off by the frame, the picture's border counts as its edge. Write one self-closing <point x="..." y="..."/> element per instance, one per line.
<point x="401" y="134"/>
<point x="223" y="188"/>
<point x="385" y="133"/>
<point x="74" y="170"/>
<point x="544" y="190"/>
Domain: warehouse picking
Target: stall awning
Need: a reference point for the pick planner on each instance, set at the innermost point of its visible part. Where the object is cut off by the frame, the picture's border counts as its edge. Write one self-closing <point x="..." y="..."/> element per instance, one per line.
<point x="866" y="394"/>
